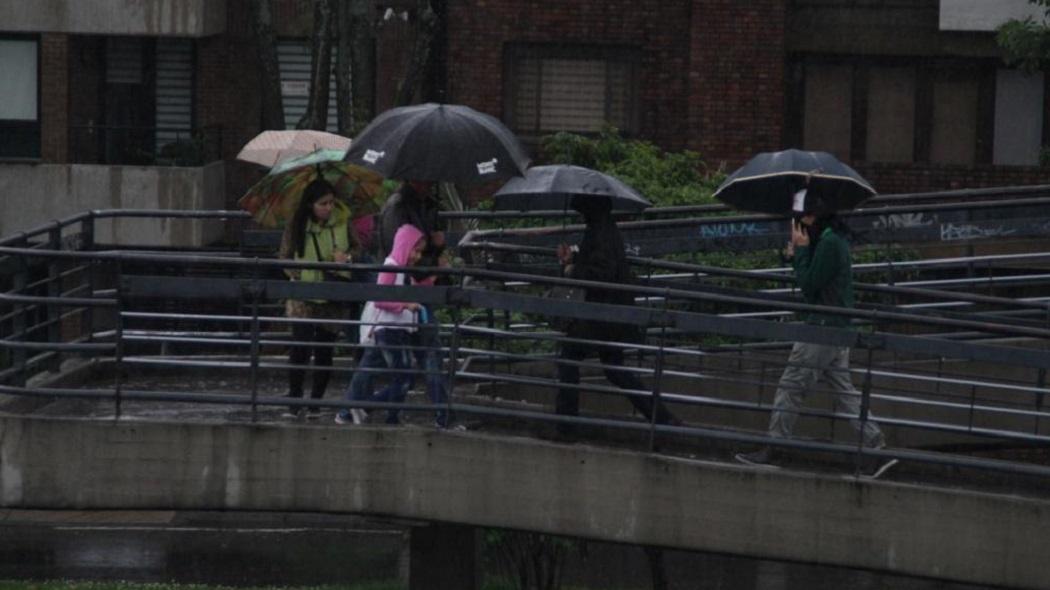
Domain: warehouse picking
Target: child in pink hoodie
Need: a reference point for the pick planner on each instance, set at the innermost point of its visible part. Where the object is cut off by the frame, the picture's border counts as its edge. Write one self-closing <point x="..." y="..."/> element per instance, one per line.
<point x="395" y="321"/>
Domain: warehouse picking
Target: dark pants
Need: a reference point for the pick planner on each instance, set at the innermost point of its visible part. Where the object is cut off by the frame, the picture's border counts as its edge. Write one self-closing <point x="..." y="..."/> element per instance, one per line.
<point x="429" y="360"/>
<point x="300" y="355"/>
<point x="568" y="401"/>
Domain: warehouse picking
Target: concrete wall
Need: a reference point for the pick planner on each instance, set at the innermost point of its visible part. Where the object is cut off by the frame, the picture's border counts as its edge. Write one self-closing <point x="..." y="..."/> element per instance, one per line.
<point x="36" y="194"/>
<point x="187" y="18"/>
<point x="983" y="15"/>
<point x="525" y="484"/>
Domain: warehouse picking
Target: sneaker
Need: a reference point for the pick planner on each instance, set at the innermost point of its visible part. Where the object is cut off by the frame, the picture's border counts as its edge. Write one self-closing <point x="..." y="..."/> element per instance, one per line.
<point x="875" y="467"/>
<point x="291" y="414"/>
<point x="342" y="417"/>
<point x="358" y="415"/>
<point x="764" y="457"/>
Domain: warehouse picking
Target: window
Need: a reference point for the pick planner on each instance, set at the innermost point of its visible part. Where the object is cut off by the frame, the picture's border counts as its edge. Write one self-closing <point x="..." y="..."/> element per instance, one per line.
<point x="295" y="62"/>
<point x="564" y="88"/>
<point x="953" y="129"/>
<point x="1018" y="118"/>
<point x="891" y="114"/>
<point x="20" y="89"/>
<point x="902" y="110"/>
<point x="828" y="113"/>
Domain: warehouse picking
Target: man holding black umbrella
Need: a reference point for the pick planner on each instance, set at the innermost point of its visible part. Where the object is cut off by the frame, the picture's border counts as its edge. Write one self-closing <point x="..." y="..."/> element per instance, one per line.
<point x="823" y="269"/>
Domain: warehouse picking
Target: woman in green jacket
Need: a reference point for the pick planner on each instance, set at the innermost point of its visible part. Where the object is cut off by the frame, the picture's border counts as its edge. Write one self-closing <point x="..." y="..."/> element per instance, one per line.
<point x="315" y="235"/>
<point x="820" y="255"/>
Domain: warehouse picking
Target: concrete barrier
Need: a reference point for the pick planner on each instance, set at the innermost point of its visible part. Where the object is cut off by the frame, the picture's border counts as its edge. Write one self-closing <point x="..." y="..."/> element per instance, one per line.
<point x="37" y="194"/>
<point x="481" y="480"/>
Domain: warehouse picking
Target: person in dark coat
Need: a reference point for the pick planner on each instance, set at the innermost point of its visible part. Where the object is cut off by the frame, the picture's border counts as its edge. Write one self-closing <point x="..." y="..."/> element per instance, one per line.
<point x="600" y="257"/>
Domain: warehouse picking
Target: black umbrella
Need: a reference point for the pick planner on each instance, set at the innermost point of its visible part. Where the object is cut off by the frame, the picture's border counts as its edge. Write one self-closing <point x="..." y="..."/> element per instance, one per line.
<point x="559" y="187"/>
<point x="438" y="142"/>
<point x="767" y="183"/>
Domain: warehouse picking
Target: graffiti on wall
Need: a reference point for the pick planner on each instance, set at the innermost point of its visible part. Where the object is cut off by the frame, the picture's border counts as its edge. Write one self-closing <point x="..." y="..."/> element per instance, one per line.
<point x="904" y="221"/>
<point x="728" y="230"/>
<point x="969" y="231"/>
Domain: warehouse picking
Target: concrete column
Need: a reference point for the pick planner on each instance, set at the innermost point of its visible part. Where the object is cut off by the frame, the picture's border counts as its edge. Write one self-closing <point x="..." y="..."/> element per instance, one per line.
<point x="443" y="557"/>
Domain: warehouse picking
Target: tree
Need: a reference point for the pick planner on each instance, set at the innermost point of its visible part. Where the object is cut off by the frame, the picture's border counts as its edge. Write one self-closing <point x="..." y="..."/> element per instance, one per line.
<point x="316" y="115"/>
<point x="355" y="64"/>
<point x="426" y="21"/>
<point x="1026" y="42"/>
<point x="266" y="49"/>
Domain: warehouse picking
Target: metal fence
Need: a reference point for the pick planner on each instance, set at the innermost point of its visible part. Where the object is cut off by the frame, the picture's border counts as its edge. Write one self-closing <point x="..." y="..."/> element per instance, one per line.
<point x="940" y="368"/>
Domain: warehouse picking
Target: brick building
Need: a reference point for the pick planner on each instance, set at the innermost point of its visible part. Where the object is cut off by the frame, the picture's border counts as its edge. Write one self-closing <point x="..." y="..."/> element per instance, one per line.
<point x="912" y="93"/>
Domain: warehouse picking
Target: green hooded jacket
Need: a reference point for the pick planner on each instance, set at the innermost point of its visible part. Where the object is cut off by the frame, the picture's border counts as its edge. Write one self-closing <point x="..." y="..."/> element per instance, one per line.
<point x="824" y="273"/>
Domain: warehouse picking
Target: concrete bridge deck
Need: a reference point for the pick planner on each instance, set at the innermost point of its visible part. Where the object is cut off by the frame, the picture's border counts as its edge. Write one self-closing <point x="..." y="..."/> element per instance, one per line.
<point x="496" y="479"/>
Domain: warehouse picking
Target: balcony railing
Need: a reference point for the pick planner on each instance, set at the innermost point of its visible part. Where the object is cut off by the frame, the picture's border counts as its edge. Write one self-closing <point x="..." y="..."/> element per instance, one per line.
<point x="123" y="145"/>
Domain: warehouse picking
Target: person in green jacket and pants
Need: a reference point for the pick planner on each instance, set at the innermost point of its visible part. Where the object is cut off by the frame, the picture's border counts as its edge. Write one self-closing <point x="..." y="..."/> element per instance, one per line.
<point x="819" y="251"/>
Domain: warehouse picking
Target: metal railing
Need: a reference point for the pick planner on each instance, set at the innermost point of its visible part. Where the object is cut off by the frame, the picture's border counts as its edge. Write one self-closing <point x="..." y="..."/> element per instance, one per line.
<point x="63" y="301"/>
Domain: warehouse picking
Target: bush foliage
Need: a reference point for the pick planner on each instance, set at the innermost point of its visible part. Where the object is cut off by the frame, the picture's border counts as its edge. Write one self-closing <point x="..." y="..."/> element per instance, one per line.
<point x="665" y="178"/>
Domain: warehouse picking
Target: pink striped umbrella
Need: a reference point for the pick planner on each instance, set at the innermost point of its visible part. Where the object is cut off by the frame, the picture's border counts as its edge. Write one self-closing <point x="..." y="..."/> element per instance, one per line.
<point x="270" y="148"/>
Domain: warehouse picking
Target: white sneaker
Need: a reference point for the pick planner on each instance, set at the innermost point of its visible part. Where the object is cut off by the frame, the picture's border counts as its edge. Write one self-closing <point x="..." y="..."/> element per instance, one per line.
<point x="358" y="415"/>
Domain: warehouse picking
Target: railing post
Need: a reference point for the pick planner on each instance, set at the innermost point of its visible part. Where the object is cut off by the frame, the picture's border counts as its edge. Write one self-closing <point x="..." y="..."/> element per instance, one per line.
<point x="255" y="292"/>
<point x="491" y="319"/>
<point x="865" y="407"/>
<point x="118" y="359"/>
<point x="54" y="291"/>
<point x="453" y="350"/>
<point x="658" y="372"/>
<point x="1039" y="397"/>
<point x="87" y="243"/>
<point x="18" y="321"/>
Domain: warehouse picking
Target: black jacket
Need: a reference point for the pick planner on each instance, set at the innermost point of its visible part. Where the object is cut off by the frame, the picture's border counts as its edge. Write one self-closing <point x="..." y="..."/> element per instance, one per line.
<point x="602" y="258"/>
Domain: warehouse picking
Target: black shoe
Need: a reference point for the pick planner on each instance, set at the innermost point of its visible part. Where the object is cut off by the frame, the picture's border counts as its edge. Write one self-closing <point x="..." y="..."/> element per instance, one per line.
<point x="764" y="457"/>
<point x="875" y="467"/>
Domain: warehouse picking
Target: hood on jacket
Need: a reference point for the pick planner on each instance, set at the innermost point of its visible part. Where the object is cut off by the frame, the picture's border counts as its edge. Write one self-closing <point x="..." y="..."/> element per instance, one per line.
<point x="404" y="240"/>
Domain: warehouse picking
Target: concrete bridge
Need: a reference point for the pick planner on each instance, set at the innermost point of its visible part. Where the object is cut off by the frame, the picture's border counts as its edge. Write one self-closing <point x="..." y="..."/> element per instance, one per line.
<point x="946" y="533"/>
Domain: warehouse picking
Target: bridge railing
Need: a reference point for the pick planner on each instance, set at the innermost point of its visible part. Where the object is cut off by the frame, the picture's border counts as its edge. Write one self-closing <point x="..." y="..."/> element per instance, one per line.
<point x="65" y="303"/>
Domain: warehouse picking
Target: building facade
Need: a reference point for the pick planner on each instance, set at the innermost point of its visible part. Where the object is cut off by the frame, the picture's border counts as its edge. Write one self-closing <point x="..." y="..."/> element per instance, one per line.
<point x="102" y="96"/>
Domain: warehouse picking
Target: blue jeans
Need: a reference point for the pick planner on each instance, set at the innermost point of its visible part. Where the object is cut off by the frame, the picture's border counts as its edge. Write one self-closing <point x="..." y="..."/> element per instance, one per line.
<point x="385" y="354"/>
<point x="428" y="358"/>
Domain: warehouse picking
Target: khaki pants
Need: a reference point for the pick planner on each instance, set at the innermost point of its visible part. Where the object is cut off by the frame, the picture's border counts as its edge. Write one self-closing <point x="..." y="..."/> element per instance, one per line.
<point x="808" y="364"/>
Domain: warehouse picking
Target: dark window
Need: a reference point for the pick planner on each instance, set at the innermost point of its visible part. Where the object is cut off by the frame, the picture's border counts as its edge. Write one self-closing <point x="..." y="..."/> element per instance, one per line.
<point x="570" y="88"/>
<point x="900" y="110"/>
<point x="20" y="89"/>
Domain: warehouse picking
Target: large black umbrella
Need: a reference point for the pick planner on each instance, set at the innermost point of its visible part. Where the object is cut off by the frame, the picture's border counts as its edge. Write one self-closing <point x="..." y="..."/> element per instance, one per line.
<point x="767" y="183"/>
<point x="438" y="142"/>
<point x="559" y="187"/>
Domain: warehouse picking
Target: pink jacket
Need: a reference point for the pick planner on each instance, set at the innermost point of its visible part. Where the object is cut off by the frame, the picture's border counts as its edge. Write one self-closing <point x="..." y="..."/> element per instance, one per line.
<point x="404" y="240"/>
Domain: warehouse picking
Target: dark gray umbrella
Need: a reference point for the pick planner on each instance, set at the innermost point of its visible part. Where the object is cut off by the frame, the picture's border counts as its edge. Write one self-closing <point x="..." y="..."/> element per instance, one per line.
<point x="559" y="187"/>
<point x="767" y="183"/>
<point x="438" y="142"/>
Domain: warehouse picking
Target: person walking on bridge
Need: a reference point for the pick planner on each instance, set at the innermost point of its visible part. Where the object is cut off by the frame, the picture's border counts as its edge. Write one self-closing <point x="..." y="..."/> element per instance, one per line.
<point x="600" y="257"/>
<point x="819" y="252"/>
<point x="315" y="234"/>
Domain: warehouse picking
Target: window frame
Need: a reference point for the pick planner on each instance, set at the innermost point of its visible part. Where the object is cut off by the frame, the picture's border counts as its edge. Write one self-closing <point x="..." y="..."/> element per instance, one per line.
<point x="927" y="70"/>
<point x="628" y="55"/>
<point x="7" y="124"/>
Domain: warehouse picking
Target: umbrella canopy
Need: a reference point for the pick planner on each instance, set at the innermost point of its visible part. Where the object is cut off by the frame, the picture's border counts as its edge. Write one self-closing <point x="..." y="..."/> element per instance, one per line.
<point x="767" y="183"/>
<point x="559" y="187"/>
<point x="270" y="148"/>
<point x="439" y="142"/>
<point x="273" y="200"/>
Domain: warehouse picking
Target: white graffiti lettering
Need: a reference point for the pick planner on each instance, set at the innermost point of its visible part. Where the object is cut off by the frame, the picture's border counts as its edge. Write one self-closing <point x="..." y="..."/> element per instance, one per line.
<point x="904" y="221"/>
<point x="969" y="231"/>
<point x="725" y="230"/>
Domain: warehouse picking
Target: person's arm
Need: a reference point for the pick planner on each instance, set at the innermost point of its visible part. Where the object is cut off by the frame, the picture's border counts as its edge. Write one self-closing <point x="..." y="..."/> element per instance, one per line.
<point x="815" y="268"/>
